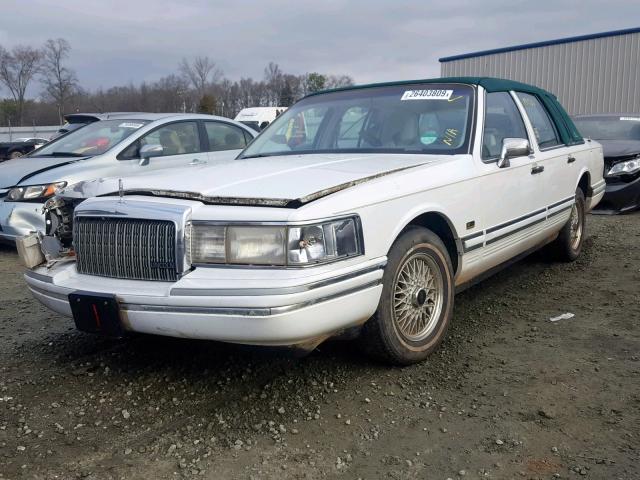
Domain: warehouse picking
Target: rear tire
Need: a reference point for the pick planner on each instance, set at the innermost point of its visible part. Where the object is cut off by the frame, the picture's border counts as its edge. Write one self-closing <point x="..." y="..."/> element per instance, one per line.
<point x="568" y="245"/>
<point x="416" y="305"/>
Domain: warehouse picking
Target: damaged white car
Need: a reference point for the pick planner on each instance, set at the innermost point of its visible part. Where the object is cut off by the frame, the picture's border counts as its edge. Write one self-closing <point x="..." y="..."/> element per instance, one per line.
<point x="359" y="211"/>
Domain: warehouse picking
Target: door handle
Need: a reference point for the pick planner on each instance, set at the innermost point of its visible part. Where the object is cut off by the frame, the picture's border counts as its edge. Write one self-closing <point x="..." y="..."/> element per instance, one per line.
<point x="571" y="159"/>
<point x="537" y="169"/>
<point x="197" y="161"/>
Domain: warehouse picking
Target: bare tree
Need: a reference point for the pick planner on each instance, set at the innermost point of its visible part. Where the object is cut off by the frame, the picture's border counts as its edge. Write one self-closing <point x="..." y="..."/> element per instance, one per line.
<point x="274" y="82"/>
<point x="202" y="72"/>
<point x="17" y="69"/>
<point x="59" y="82"/>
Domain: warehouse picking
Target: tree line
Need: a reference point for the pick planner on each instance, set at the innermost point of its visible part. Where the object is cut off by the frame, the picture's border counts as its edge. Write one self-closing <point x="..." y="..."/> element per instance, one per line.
<point x="197" y="85"/>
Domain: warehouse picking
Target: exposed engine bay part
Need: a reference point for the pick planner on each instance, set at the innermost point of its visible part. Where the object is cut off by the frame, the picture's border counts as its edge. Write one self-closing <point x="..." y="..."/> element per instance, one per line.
<point x="59" y="220"/>
<point x="29" y="250"/>
<point x="35" y="249"/>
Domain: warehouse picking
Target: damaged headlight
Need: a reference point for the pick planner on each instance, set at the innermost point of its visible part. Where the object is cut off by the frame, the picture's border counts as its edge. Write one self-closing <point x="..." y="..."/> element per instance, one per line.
<point x="625" y="168"/>
<point x="33" y="192"/>
<point x="281" y="245"/>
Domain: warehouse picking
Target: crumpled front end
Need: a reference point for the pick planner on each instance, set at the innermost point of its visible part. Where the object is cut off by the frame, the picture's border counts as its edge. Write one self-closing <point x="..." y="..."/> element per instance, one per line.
<point x="20" y="218"/>
<point x="134" y="254"/>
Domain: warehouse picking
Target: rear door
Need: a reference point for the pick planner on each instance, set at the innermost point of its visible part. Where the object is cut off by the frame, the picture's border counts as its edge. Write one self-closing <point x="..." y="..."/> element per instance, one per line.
<point x="181" y="144"/>
<point x="224" y="141"/>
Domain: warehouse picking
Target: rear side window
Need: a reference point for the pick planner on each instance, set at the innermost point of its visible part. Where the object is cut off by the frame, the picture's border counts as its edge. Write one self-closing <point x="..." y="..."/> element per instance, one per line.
<point x="223" y="136"/>
<point x="502" y="120"/>
<point x="543" y="127"/>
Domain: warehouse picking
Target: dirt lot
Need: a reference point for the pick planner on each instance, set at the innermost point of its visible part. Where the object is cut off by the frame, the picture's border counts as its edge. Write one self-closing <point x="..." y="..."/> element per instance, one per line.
<point x="509" y="395"/>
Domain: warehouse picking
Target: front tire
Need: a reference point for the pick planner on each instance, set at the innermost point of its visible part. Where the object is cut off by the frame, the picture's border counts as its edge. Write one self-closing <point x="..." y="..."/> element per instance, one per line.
<point x="15" y="154"/>
<point x="416" y="305"/>
<point x="568" y="245"/>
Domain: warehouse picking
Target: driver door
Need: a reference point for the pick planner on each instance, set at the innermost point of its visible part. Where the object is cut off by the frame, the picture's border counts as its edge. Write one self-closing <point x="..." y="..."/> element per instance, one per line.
<point x="181" y="145"/>
<point x="513" y="212"/>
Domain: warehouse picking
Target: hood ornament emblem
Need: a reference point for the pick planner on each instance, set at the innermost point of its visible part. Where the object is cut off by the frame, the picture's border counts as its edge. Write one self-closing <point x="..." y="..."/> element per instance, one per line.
<point x="121" y="190"/>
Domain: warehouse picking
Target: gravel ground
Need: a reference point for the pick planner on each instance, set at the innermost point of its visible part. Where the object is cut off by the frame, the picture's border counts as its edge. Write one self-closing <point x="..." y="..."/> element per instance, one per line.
<point x="508" y="395"/>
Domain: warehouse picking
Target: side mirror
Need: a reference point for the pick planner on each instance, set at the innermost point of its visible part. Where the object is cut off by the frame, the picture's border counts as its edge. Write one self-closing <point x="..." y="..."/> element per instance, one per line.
<point x="149" y="151"/>
<point x="512" y="148"/>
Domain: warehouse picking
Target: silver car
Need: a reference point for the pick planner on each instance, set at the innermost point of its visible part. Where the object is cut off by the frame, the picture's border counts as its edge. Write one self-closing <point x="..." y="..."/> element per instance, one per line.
<point x="132" y="144"/>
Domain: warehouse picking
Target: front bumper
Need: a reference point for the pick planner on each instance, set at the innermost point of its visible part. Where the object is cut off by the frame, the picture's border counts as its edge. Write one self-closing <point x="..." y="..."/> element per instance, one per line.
<point x="20" y="218"/>
<point x="237" y="305"/>
<point x="620" y="197"/>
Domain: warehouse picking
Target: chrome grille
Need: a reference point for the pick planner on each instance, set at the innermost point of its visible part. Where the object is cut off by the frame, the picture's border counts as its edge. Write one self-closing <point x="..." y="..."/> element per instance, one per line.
<point x="125" y="248"/>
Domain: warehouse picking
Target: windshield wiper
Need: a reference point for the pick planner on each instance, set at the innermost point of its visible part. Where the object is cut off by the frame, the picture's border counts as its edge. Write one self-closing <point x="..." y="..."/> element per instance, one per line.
<point x="61" y="154"/>
<point x="262" y="155"/>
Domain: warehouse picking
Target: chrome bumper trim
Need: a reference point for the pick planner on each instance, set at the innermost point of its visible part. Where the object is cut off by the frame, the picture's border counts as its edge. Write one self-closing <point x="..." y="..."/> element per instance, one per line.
<point x="38" y="276"/>
<point x="243" y="311"/>
<point x="242" y="292"/>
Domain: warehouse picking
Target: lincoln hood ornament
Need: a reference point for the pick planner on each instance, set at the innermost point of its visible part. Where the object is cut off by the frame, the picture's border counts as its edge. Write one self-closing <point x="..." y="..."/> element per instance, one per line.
<point x="121" y="190"/>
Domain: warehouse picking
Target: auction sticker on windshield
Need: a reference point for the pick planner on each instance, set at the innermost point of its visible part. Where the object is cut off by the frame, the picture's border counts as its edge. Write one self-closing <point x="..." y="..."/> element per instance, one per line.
<point x="630" y="119"/>
<point x="427" y="95"/>
<point x="130" y="125"/>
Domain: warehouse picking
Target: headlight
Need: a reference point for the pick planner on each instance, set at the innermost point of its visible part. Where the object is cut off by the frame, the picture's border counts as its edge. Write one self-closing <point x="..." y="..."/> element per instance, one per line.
<point x="293" y="245"/>
<point x="625" y="168"/>
<point x="34" y="192"/>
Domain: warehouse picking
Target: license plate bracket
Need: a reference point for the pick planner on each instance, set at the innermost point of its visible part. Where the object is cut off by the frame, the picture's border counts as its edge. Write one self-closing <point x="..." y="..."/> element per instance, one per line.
<point x="96" y="313"/>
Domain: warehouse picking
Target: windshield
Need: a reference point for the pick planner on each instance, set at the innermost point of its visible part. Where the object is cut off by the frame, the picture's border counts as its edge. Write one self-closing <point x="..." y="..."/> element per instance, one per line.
<point x="417" y="118"/>
<point x="609" y="128"/>
<point x="93" y="139"/>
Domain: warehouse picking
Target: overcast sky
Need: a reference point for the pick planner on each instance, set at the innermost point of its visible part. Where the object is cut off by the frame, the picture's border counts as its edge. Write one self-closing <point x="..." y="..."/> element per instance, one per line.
<point x="115" y="42"/>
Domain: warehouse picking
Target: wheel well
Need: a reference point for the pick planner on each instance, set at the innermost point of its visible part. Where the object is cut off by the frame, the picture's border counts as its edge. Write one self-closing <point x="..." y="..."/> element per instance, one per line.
<point x="585" y="184"/>
<point x="439" y="225"/>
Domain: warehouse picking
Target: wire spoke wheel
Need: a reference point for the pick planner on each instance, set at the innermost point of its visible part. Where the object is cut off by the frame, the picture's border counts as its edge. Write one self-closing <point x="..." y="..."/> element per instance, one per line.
<point x="575" y="227"/>
<point x="417" y="297"/>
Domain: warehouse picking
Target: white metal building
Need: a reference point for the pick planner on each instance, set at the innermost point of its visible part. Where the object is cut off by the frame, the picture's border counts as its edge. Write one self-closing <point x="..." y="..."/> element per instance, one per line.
<point x="597" y="73"/>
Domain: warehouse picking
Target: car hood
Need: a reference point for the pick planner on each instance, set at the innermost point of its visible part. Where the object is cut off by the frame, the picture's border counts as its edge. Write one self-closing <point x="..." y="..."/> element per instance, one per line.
<point x="620" y="148"/>
<point x="13" y="172"/>
<point x="272" y="181"/>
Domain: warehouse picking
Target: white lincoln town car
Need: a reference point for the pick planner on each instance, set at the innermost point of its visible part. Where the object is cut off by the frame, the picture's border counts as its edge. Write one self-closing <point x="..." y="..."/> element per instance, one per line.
<point x="358" y="212"/>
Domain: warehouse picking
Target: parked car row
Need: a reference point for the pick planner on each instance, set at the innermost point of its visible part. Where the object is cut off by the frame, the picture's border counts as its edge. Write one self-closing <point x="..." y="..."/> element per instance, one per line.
<point x="123" y="145"/>
<point x="20" y="147"/>
<point x="619" y="135"/>
<point x="357" y="212"/>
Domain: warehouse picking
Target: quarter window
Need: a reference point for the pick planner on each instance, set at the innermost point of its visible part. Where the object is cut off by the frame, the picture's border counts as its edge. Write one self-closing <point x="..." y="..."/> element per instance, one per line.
<point x="502" y="120"/>
<point x="543" y="127"/>
<point x="176" y="139"/>
<point x="223" y="136"/>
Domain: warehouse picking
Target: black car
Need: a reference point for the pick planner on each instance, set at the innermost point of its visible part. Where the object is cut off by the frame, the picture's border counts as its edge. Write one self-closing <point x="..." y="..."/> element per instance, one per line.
<point x="19" y="147"/>
<point x="619" y="134"/>
<point x="74" y="121"/>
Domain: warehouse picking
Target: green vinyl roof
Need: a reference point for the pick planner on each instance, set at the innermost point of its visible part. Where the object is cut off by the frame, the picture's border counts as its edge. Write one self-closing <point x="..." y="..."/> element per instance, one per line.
<point x="490" y="84"/>
<point x="568" y="132"/>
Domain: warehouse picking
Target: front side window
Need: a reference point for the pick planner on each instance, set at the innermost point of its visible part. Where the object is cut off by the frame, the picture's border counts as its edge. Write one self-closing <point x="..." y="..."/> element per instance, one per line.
<point x="93" y="139"/>
<point x="416" y="118"/>
<point x="223" y="136"/>
<point x="502" y="120"/>
<point x="543" y="127"/>
<point x="175" y="139"/>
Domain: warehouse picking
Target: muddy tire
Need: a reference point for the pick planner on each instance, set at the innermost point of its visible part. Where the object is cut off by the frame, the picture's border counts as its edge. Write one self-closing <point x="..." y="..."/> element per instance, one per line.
<point x="416" y="305"/>
<point x="568" y="245"/>
<point x="15" y="154"/>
